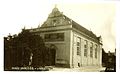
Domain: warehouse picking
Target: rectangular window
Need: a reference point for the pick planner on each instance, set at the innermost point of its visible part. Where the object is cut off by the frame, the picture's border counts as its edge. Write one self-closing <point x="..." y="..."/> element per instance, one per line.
<point x="95" y="51"/>
<point x="91" y="49"/>
<point x="54" y="37"/>
<point x="78" y="52"/>
<point x="78" y="46"/>
<point x="85" y="48"/>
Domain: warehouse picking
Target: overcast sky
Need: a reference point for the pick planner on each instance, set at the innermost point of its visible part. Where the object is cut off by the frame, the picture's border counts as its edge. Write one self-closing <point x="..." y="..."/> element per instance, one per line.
<point x="99" y="17"/>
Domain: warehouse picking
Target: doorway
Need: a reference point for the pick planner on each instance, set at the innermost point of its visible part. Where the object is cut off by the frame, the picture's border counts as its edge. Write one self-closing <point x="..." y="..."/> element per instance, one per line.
<point x="52" y="54"/>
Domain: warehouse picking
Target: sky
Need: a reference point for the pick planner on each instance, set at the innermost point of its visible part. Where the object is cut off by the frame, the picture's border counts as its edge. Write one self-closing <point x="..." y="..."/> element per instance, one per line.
<point x="97" y="16"/>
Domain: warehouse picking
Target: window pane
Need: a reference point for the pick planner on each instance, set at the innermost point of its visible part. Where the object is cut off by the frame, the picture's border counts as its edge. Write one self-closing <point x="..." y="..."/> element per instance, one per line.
<point x="78" y="51"/>
<point x="78" y="46"/>
<point x="85" y="48"/>
<point x="54" y="37"/>
<point x="91" y="49"/>
<point x="95" y="51"/>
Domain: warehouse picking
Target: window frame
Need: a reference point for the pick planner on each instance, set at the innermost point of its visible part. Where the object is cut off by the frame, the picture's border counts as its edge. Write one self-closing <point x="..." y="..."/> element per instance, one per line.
<point x="91" y="50"/>
<point x="96" y="47"/>
<point x="78" y="46"/>
<point x="85" y="48"/>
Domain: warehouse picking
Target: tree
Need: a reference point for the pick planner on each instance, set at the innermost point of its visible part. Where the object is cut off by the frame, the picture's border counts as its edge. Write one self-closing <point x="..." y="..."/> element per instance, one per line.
<point x="18" y="49"/>
<point x="104" y="57"/>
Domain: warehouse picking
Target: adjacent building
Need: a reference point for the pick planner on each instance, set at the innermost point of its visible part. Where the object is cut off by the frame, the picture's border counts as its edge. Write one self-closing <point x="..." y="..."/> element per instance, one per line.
<point x="75" y="46"/>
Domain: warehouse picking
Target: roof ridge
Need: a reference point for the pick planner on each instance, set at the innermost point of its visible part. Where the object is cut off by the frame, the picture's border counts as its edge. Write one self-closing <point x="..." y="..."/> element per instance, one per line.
<point x="78" y="25"/>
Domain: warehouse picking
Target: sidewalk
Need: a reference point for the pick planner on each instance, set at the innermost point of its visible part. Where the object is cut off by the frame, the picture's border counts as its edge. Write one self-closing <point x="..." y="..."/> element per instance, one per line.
<point x="80" y="69"/>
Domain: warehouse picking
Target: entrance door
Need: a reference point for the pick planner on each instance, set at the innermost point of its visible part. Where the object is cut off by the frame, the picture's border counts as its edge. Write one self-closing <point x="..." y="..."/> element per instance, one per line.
<point x="53" y="53"/>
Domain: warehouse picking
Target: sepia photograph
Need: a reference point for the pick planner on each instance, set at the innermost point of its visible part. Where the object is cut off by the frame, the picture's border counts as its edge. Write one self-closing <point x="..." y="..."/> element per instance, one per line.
<point x="55" y="35"/>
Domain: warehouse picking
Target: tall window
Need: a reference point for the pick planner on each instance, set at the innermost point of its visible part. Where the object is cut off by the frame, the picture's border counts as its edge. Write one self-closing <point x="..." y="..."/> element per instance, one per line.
<point x="78" y="46"/>
<point x="95" y="51"/>
<point x="91" y="49"/>
<point x="85" y="48"/>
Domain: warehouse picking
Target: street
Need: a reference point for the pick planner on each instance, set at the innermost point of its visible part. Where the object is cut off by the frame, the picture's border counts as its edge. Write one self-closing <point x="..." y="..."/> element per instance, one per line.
<point x="80" y="69"/>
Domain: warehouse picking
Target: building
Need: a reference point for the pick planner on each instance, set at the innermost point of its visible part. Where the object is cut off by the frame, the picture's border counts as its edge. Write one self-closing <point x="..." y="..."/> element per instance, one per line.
<point x="75" y="46"/>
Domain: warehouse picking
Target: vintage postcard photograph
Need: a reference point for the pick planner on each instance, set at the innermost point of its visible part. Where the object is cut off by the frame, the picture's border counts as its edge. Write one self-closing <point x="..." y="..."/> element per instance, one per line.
<point x="66" y="36"/>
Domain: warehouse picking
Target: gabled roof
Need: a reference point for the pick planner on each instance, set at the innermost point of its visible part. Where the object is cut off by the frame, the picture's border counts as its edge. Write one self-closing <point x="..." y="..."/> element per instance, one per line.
<point x="82" y="29"/>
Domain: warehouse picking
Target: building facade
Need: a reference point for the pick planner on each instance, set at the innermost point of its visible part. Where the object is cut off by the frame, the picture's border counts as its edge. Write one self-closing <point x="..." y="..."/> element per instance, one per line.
<point x="75" y="46"/>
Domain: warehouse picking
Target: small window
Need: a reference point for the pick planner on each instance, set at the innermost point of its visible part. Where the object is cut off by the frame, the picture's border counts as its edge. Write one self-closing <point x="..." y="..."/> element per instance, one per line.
<point x="54" y="21"/>
<point x="78" y="43"/>
<point x="78" y="64"/>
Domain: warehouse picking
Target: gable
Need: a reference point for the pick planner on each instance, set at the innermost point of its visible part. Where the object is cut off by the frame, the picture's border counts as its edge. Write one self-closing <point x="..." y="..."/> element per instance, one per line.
<point x="57" y="18"/>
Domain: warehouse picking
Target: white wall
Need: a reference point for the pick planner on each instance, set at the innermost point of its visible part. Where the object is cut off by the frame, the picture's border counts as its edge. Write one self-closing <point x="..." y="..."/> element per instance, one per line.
<point x="83" y="60"/>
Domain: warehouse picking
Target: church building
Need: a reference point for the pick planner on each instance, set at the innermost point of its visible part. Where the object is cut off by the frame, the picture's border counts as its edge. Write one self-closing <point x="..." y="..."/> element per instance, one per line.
<point x="75" y="46"/>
